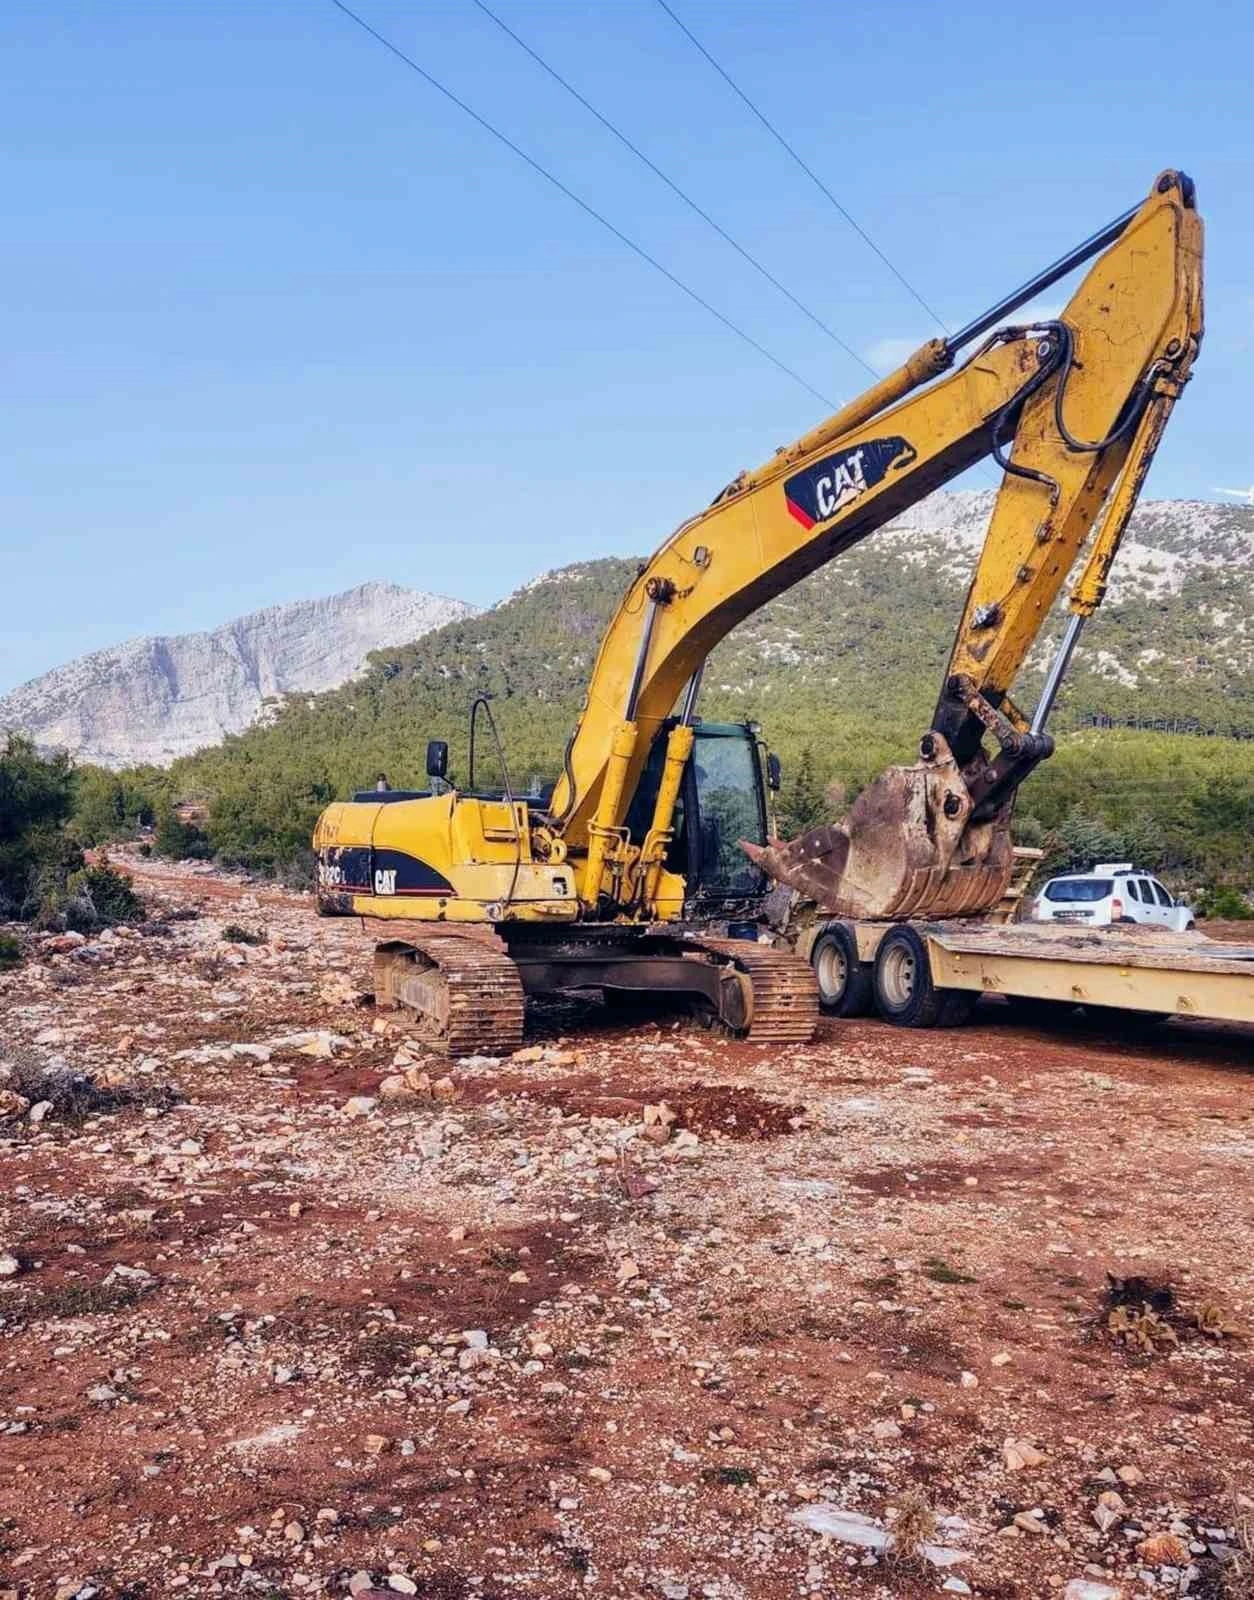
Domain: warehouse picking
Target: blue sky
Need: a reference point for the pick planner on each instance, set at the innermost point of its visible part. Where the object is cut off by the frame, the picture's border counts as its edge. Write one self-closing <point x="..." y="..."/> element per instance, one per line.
<point x="279" y="319"/>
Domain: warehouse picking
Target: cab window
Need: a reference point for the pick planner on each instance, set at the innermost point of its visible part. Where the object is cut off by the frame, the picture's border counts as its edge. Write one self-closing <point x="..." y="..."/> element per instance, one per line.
<point x="730" y="809"/>
<point x="1164" y="899"/>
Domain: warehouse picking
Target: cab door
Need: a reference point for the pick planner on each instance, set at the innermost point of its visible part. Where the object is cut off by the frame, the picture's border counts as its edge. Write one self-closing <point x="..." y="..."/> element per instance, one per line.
<point x="727" y="799"/>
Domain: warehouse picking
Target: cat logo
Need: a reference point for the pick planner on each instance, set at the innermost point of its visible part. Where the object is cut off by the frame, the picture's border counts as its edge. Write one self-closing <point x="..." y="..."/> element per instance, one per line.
<point x="385" y="881"/>
<point x="826" y="487"/>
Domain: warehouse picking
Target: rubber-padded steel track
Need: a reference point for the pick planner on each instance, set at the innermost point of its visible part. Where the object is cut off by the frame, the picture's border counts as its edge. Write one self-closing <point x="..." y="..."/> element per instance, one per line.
<point x="785" y="990"/>
<point x="466" y="994"/>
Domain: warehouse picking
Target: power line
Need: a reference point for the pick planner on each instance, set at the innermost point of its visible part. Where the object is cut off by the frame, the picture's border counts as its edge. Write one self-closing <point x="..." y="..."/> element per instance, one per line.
<point x="809" y="171"/>
<point x="673" y="186"/>
<point x="583" y="205"/>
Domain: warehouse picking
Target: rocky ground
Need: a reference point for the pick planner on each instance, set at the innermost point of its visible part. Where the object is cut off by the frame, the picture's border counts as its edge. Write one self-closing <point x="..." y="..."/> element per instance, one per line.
<point x="290" y="1309"/>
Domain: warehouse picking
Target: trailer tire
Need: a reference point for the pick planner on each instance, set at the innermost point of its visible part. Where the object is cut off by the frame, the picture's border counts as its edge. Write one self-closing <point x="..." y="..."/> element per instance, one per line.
<point x="845" y="983"/>
<point x="904" y="991"/>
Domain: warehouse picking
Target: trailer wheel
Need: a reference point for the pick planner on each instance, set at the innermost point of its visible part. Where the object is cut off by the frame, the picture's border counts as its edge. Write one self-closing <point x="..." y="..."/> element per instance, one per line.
<point x="904" y="991"/>
<point x="845" y="983"/>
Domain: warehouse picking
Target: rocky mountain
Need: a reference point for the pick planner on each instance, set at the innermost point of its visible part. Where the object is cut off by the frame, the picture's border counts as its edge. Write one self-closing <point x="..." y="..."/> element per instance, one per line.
<point x="155" y="699"/>
<point x="871" y="631"/>
<point x="847" y="664"/>
<point x="1174" y="641"/>
<point x="866" y="636"/>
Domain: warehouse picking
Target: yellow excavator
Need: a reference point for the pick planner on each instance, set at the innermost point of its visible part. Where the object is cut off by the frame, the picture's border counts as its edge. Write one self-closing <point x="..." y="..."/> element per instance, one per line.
<point x="648" y="865"/>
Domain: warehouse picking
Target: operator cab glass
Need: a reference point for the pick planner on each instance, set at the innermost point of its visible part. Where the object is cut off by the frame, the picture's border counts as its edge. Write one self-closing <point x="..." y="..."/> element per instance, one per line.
<point x="721" y="801"/>
<point x="729" y="803"/>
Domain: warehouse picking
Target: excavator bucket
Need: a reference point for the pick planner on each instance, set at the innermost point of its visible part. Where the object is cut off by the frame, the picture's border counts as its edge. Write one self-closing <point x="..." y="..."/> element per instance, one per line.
<point x="907" y="848"/>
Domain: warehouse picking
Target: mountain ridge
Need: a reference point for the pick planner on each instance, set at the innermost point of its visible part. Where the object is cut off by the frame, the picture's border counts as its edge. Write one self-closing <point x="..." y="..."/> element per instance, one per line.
<point x="154" y="698"/>
<point x="869" y="632"/>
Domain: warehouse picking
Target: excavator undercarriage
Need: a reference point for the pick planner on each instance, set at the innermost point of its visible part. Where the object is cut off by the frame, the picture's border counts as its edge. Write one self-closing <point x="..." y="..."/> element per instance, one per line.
<point x="467" y="989"/>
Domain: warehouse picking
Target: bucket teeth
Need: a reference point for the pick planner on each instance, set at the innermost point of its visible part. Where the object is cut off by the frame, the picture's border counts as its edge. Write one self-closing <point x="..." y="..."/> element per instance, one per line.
<point x="907" y="848"/>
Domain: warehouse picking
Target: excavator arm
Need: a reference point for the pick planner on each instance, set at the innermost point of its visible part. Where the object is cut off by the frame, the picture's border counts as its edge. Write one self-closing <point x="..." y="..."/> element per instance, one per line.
<point x="1072" y="408"/>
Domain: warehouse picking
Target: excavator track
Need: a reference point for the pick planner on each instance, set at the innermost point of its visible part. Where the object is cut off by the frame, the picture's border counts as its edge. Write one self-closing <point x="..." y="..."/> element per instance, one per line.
<point x="464" y="992"/>
<point x="785" y="990"/>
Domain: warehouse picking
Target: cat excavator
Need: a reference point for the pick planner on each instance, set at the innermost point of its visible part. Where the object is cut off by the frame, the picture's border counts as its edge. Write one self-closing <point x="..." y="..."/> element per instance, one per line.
<point x="648" y="865"/>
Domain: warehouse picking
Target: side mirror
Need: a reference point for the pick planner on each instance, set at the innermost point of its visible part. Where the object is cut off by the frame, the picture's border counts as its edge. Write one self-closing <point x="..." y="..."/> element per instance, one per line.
<point x="774" y="773"/>
<point x="437" y="758"/>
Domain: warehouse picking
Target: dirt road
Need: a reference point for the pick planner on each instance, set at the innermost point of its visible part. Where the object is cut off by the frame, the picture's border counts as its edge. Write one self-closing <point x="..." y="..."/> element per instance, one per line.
<point x="270" y="1331"/>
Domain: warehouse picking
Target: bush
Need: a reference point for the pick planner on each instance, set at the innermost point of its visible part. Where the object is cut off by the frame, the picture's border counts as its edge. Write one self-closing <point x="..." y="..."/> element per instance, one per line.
<point x="174" y="838"/>
<point x="262" y="825"/>
<point x="1226" y="904"/>
<point x="803" y="804"/>
<point x="35" y="798"/>
<point x="298" y="871"/>
<point x="114" y="805"/>
<point x="233" y="933"/>
<point x="54" y="859"/>
<point x="10" y="952"/>
<point x="99" y="897"/>
<point x="1080" y="841"/>
<point x="75" y="1096"/>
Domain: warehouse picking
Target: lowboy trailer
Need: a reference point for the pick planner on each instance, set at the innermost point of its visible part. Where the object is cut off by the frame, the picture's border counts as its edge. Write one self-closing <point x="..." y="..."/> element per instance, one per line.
<point x="930" y="974"/>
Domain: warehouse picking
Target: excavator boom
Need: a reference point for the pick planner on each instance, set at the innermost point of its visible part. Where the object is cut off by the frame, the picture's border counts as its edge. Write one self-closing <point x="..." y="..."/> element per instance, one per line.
<point x="1072" y="408"/>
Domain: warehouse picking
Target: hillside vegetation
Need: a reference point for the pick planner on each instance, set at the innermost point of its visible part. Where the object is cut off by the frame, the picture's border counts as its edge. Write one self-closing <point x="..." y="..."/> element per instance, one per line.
<point x="841" y="672"/>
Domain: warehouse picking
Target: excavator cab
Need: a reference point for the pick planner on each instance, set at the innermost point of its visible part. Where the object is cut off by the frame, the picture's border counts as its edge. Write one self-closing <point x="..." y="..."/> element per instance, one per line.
<point x="722" y="801"/>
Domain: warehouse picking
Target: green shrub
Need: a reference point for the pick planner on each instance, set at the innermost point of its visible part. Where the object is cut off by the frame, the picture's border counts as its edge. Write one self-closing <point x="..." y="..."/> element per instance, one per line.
<point x="35" y="798"/>
<point x="173" y="838"/>
<point x="10" y="952"/>
<point x="298" y="870"/>
<point x="1080" y="841"/>
<point x="802" y="805"/>
<point x="1226" y="904"/>
<point x="115" y="805"/>
<point x="99" y="897"/>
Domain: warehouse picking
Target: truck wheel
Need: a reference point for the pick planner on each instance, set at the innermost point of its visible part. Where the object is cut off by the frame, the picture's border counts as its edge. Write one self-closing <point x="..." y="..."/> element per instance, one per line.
<point x="845" y="986"/>
<point x="904" y="991"/>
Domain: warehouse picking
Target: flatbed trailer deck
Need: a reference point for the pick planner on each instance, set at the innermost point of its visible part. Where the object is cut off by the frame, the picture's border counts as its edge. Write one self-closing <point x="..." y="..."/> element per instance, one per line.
<point x="929" y="974"/>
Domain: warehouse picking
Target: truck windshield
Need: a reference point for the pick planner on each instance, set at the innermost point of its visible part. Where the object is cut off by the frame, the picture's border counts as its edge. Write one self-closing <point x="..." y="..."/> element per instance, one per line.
<point x="1078" y="889"/>
<point x="729" y="802"/>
